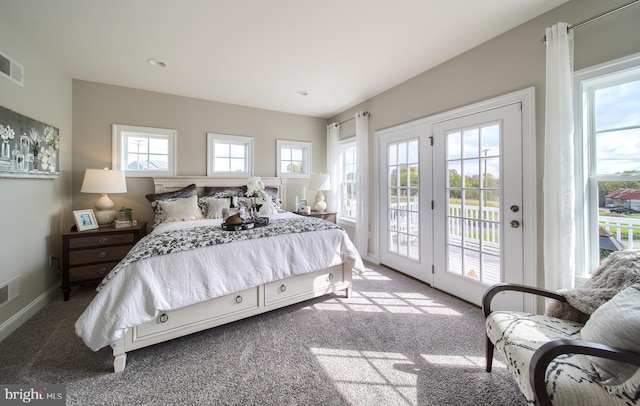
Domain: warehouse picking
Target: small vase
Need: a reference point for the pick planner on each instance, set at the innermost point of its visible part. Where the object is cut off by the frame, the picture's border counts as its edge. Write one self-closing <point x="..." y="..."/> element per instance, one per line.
<point x="6" y="150"/>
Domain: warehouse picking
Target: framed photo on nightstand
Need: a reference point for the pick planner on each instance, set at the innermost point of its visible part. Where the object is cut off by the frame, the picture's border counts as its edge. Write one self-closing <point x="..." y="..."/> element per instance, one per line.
<point x="85" y="219"/>
<point x="301" y="205"/>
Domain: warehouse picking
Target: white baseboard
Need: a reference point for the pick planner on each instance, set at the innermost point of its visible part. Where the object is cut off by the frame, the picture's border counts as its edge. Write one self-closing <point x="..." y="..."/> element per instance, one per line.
<point x="28" y="311"/>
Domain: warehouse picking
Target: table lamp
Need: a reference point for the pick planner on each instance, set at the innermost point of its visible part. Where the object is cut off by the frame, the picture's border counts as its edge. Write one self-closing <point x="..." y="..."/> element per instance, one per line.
<point x="320" y="182"/>
<point x="104" y="181"/>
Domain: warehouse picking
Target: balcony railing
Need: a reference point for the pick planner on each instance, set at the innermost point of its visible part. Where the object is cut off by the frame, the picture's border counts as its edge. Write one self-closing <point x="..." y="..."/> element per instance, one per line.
<point x="464" y="223"/>
<point x="624" y="229"/>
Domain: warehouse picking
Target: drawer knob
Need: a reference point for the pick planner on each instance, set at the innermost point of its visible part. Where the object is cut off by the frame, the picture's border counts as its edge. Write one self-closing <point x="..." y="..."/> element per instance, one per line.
<point x="102" y="254"/>
<point x="163" y="318"/>
<point x="103" y="240"/>
<point x="329" y="277"/>
<point x="283" y="288"/>
<point x="238" y="299"/>
<point x="102" y="271"/>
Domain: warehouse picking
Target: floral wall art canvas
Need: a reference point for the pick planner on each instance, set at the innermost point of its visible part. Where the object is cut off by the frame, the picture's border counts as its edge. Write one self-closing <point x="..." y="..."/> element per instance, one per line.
<point x="29" y="148"/>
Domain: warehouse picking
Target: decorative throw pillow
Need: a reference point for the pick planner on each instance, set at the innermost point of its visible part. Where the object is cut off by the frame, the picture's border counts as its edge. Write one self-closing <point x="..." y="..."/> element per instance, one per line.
<point x="617" y="323"/>
<point x="216" y="205"/>
<point x="203" y="204"/>
<point x="156" y="198"/>
<point x="180" y="209"/>
<point x="224" y="191"/>
<point x="186" y="191"/>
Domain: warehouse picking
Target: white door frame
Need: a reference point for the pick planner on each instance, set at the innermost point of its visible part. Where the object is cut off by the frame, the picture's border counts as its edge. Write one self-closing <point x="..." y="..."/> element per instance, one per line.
<point x="529" y="195"/>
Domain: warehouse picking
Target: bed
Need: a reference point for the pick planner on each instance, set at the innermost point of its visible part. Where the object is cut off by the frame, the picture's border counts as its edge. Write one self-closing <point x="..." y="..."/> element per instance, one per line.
<point x="189" y="275"/>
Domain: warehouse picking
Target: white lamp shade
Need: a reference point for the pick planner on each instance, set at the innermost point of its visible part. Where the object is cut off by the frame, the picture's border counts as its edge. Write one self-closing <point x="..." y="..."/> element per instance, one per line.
<point x="103" y="181"/>
<point x="320" y="181"/>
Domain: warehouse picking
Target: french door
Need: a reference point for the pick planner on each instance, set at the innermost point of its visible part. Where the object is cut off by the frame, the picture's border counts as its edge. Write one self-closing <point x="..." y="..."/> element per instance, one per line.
<point x="451" y="200"/>
<point x="405" y="166"/>
<point x="477" y="162"/>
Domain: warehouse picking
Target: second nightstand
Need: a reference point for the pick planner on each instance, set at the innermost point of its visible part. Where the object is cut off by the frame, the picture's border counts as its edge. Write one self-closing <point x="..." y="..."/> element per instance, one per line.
<point x="88" y="256"/>
<point x="325" y="215"/>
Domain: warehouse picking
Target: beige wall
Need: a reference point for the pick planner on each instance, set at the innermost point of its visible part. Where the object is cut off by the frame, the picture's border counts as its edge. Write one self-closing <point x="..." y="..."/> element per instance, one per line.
<point x="32" y="211"/>
<point x="510" y="62"/>
<point x="97" y="106"/>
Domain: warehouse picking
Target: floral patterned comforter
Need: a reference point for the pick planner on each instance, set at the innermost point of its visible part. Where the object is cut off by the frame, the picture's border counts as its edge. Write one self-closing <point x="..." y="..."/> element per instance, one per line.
<point x="167" y="242"/>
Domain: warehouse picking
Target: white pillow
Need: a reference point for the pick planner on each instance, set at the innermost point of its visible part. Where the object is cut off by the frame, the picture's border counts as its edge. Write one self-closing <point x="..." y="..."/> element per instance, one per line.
<point x="616" y="323"/>
<point x="180" y="209"/>
<point x="216" y="205"/>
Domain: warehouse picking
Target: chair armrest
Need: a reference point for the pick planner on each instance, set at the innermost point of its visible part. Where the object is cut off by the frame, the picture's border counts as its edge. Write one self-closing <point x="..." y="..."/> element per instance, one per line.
<point x="547" y="352"/>
<point x="495" y="289"/>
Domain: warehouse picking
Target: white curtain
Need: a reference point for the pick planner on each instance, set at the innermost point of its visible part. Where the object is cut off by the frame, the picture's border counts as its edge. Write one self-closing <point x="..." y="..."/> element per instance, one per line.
<point x="558" y="182"/>
<point x="362" y="157"/>
<point x="333" y="162"/>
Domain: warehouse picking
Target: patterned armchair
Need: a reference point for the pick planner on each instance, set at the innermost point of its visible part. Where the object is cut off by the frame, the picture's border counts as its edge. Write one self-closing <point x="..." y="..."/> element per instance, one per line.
<point x="562" y="362"/>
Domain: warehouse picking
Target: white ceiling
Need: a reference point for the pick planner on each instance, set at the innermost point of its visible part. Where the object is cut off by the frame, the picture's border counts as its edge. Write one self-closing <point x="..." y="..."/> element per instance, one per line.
<point x="259" y="53"/>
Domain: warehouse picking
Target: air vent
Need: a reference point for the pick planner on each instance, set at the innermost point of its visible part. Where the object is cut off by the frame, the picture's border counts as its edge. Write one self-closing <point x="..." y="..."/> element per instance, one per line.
<point x="11" y="69"/>
<point x="10" y="290"/>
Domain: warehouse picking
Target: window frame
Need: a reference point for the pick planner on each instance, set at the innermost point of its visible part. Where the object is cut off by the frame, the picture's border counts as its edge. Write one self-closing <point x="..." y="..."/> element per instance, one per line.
<point x="586" y="81"/>
<point x="247" y="142"/>
<point x="119" y="149"/>
<point x="342" y="146"/>
<point x="304" y="145"/>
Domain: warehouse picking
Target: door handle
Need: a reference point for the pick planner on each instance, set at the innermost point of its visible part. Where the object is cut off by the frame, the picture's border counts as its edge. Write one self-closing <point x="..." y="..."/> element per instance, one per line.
<point x="515" y="223"/>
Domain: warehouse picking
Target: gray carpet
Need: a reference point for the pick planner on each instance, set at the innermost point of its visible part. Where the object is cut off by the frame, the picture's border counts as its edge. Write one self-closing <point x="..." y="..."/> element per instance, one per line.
<point x="395" y="342"/>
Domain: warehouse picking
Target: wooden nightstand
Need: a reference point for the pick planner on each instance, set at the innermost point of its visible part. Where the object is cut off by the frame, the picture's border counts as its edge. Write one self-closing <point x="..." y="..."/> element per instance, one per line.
<point x="87" y="256"/>
<point x="331" y="216"/>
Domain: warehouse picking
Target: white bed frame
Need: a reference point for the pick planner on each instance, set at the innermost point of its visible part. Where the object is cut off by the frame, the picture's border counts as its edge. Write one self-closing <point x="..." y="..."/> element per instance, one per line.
<point x="226" y="309"/>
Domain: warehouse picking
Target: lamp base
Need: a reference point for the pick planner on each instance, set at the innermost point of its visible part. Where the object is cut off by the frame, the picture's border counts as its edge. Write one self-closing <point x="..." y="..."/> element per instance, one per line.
<point x="105" y="218"/>
<point x="320" y="205"/>
<point x="104" y="213"/>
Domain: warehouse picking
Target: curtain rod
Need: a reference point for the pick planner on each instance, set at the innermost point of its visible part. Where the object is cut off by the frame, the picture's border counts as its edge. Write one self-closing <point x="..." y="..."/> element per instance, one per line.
<point x="364" y="112"/>
<point x="598" y="16"/>
<point x="354" y="117"/>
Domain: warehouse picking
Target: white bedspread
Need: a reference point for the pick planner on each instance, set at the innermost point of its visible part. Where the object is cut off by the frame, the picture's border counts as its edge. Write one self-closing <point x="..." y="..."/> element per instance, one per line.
<point x="145" y="288"/>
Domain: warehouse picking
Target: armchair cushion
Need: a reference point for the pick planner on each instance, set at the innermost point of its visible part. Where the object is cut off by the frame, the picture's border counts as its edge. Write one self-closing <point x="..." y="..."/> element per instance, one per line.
<point x="517" y="335"/>
<point x="617" y="323"/>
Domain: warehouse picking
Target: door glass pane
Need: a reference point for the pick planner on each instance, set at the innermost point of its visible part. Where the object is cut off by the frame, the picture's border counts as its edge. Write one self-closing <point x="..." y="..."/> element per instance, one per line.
<point x="454" y="146"/>
<point x="491" y="269"/>
<point x="403" y="199"/>
<point x="471" y="146"/>
<point x="473" y="212"/>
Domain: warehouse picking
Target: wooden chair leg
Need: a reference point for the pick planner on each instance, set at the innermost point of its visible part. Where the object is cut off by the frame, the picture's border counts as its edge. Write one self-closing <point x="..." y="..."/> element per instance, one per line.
<point x="489" y="353"/>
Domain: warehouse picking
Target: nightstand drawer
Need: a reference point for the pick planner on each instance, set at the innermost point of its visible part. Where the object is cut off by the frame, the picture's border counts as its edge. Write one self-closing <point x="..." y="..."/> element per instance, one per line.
<point x="99" y="240"/>
<point x="98" y="255"/>
<point x="81" y="273"/>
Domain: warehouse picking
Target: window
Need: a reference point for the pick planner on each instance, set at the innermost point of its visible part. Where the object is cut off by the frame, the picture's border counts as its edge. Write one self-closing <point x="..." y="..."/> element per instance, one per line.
<point x="608" y="155"/>
<point x="294" y="159"/>
<point x="348" y="172"/>
<point x="143" y="151"/>
<point x="229" y="155"/>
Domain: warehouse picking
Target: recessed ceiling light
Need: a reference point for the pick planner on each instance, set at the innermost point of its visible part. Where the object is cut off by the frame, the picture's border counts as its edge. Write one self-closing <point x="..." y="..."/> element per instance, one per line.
<point x="157" y="62"/>
<point x="302" y="93"/>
